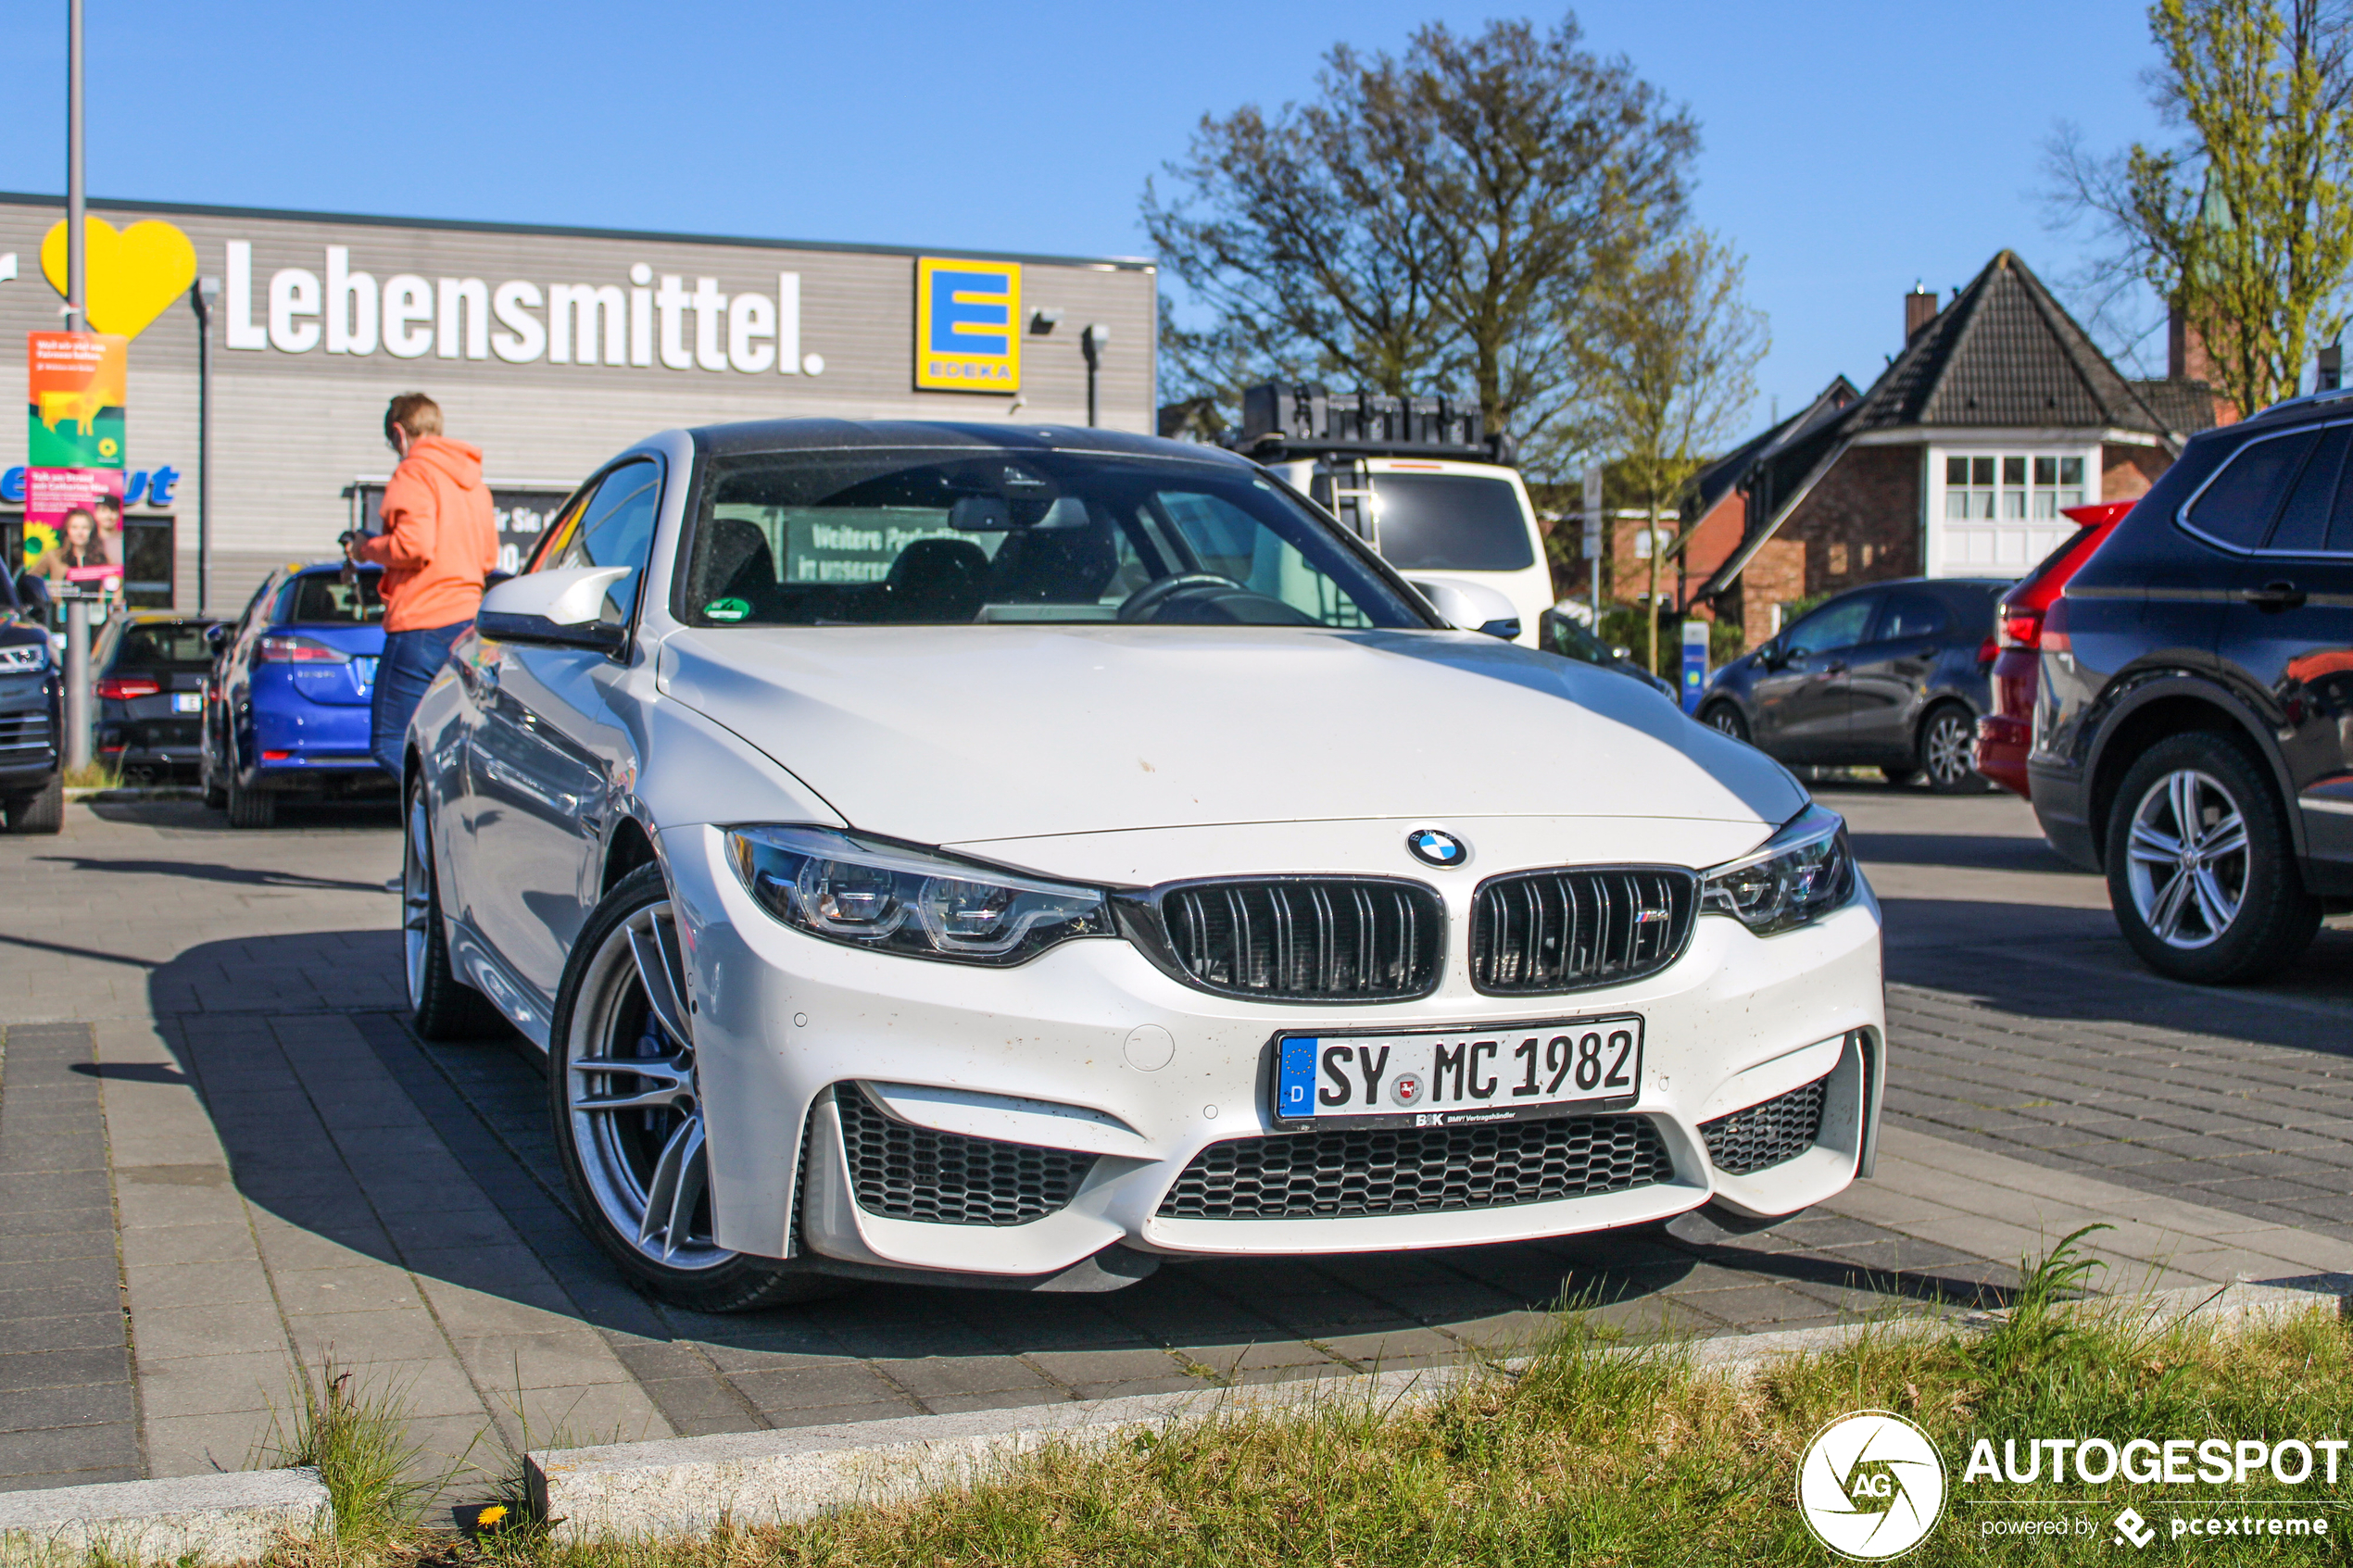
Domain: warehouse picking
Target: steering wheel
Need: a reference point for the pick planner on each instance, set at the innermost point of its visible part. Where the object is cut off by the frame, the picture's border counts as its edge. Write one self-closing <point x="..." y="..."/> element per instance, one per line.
<point x="1140" y="605"/>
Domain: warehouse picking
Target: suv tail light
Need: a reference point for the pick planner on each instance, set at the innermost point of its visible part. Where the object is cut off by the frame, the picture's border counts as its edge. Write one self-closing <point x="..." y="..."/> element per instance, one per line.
<point x="2021" y="627"/>
<point x="122" y="689"/>
<point x="1989" y="650"/>
<point x="278" y="648"/>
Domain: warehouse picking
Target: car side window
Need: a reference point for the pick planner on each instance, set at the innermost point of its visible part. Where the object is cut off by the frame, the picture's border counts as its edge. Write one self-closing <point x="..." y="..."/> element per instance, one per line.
<point x="557" y="537"/>
<point x="2304" y="519"/>
<point x="2237" y="505"/>
<point x="1910" y="615"/>
<point x="1834" y="626"/>
<point x="616" y="528"/>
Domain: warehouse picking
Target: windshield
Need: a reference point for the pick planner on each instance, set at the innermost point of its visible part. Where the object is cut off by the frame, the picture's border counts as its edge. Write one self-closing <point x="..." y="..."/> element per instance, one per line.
<point x="1566" y="638"/>
<point x="923" y="536"/>
<point x="1450" y="523"/>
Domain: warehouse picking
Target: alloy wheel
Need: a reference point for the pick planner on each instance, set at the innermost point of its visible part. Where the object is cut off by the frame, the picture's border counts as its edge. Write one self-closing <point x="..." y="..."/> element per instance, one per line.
<point x="2188" y="865"/>
<point x="633" y="1096"/>
<point x="416" y="897"/>
<point x="1950" y="749"/>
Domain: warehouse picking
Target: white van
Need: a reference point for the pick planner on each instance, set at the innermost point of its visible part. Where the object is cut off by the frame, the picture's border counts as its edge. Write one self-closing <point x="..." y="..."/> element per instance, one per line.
<point x="1414" y="478"/>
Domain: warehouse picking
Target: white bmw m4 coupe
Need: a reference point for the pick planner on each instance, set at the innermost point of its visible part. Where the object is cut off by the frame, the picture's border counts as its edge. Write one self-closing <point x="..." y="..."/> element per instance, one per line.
<point x="1013" y="856"/>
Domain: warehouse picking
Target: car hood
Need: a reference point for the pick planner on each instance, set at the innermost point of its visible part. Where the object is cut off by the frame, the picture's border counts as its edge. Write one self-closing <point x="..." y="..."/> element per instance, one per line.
<point x="960" y="733"/>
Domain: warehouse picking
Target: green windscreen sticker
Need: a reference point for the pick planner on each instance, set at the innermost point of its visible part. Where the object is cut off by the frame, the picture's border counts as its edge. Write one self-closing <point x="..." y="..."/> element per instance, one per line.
<point x="727" y="609"/>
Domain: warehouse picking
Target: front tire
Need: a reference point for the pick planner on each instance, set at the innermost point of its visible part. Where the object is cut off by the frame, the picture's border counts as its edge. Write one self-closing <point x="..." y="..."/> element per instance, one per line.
<point x="1948" y="752"/>
<point x="45" y="812"/>
<point x="1725" y="719"/>
<point x="441" y="1006"/>
<point x="2201" y="872"/>
<point x="627" y="1107"/>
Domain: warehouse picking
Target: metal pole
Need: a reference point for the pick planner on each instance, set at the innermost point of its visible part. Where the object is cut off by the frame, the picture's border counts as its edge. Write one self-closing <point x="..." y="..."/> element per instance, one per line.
<point x="201" y="299"/>
<point x="1090" y="343"/>
<point x="77" y="610"/>
<point x="74" y="192"/>
<point x="1593" y="536"/>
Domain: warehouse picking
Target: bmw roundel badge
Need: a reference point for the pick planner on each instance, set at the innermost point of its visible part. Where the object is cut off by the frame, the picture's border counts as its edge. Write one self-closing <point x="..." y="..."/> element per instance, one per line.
<point x="1432" y="848"/>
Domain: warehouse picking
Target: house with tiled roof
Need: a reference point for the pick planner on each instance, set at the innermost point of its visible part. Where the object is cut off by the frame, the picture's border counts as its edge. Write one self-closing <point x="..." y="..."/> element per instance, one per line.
<point x="1997" y="414"/>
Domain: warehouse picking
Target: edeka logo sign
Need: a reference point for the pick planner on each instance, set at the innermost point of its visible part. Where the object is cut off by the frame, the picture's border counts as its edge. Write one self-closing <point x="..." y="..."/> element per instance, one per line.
<point x="967" y="325"/>
<point x="341" y="308"/>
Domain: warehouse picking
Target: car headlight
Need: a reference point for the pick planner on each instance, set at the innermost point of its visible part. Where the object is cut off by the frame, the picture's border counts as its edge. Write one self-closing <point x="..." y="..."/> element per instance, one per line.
<point x="1802" y="874"/>
<point x="22" y="658"/>
<point x="897" y="899"/>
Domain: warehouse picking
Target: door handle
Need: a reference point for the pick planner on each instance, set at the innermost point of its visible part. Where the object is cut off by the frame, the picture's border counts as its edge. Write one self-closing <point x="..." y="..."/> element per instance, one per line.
<point x="2274" y="596"/>
<point x="1836" y="667"/>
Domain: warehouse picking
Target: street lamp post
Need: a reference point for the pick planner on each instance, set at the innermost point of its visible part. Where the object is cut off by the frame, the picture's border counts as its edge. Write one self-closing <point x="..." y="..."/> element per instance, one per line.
<point x="77" y="715"/>
<point x="1091" y="342"/>
<point x="200" y="299"/>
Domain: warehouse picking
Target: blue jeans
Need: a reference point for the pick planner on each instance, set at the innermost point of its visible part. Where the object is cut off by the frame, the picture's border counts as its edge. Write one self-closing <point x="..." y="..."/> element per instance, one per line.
<point x="410" y="661"/>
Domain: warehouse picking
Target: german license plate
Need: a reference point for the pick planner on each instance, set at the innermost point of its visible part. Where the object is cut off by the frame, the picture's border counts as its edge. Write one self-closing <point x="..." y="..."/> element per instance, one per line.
<point x="1456" y="1077"/>
<point x="187" y="702"/>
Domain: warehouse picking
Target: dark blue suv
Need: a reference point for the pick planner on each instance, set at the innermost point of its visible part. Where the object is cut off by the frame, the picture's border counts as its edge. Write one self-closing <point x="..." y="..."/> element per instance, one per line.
<point x="2194" y="725"/>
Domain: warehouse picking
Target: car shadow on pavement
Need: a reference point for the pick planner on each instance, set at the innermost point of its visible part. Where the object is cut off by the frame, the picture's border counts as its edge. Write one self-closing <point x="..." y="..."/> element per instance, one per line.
<point x="1973" y="851"/>
<point x="2045" y="962"/>
<point x="437" y="1160"/>
<point x="200" y="870"/>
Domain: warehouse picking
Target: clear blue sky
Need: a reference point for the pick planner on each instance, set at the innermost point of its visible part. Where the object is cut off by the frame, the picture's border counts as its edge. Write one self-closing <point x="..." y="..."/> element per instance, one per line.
<point x="1850" y="147"/>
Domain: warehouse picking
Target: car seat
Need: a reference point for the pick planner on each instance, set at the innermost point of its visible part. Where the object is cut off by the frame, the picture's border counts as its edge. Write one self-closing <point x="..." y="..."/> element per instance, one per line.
<point x="943" y="581"/>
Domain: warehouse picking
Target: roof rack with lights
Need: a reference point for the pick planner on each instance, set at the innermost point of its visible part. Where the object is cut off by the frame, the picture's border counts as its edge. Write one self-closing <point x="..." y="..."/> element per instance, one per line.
<point x="1285" y="421"/>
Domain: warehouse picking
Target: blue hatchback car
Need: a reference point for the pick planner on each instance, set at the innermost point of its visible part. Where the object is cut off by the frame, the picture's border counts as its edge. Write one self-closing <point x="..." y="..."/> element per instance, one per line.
<point x="287" y="705"/>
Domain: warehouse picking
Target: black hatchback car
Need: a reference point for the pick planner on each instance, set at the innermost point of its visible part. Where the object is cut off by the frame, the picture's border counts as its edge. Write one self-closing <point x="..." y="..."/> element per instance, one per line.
<point x="151" y="679"/>
<point x="2193" y="729"/>
<point x="1891" y="676"/>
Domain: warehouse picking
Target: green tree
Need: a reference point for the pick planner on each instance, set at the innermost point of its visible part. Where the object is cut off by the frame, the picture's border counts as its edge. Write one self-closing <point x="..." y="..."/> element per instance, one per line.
<point x="1424" y="220"/>
<point x="2246" y="224"/>
<point x="1666" y="355"/>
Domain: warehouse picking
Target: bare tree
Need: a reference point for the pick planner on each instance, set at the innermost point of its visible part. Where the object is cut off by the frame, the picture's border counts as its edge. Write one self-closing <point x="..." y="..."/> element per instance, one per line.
<point x="1423" y="219"/>
<point x="2246" y="224"/>
<point x="1667" y="354"/>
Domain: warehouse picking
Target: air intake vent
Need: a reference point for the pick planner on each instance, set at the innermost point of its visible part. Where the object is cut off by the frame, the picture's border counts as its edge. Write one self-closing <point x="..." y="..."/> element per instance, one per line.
<point x="904" y="1173"/>
<point x="1543" y="932"/>
<point x="1767" y="1134"/>
<point x="1308" y="939"/>
<point x="1417" y="1170"/>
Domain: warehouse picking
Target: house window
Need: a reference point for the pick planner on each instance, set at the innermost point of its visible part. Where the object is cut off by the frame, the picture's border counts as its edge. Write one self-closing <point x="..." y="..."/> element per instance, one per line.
<point x="2010" y="488"/>
<point x="1838" y="560"/>
<point x="1646" y="542"/>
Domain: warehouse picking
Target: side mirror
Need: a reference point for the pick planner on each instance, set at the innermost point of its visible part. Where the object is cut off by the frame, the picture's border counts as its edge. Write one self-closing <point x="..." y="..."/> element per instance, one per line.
<point x="32" y="590"/>
<point x="1471" y="607"/>
<point x="563" y="608"/>
<point x="216" y="636"/>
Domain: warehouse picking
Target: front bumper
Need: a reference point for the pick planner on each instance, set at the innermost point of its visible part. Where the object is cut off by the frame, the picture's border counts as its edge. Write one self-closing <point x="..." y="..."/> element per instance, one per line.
<point x="1091" y="1049"/>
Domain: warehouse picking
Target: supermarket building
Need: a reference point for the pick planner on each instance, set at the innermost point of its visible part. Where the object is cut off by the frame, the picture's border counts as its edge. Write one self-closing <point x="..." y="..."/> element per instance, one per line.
<point x="549" y="348"/>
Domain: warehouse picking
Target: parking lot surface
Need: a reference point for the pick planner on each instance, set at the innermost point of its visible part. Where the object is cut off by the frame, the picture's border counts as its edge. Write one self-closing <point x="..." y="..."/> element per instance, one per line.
<point x="225" y="1163"/>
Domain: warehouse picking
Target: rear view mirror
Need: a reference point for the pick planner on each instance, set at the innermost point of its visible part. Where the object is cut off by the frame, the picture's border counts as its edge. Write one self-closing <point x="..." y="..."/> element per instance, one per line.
<point x="980" y="514"/>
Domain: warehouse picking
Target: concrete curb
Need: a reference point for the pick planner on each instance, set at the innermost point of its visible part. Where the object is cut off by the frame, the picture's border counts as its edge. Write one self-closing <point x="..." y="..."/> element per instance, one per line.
<point x="227" y="1518"/>
<point x="686" y="1485"/>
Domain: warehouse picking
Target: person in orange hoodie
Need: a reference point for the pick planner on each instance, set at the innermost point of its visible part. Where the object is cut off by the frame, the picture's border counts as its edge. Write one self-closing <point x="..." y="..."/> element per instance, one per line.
<point x="440" y="539"/>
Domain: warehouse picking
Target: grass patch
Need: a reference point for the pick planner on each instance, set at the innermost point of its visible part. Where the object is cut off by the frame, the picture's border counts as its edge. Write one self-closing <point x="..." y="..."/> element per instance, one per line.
<point x="1588" y="1451"/>
<point x="357" y="1438"/>
<point x="94" y="775"/>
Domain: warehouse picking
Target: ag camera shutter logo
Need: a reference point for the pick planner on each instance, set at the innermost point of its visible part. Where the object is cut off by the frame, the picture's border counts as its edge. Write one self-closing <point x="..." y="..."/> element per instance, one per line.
<point x="1870" y="1485"/>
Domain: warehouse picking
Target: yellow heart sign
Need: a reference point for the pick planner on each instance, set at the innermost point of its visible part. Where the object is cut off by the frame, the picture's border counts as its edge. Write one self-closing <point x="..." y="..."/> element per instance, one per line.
<point x="133" y="274"/>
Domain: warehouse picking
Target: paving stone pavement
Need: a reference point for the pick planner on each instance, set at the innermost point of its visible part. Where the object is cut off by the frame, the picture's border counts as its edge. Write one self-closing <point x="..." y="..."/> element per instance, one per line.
<point x="225" y="1163"/>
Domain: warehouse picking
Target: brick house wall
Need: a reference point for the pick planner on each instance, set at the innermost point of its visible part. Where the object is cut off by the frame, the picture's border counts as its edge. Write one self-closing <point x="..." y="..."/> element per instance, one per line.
<point x="2126" y="471"/>
<point x="1861" y="523"/>
<point x="1775" y="575"/>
